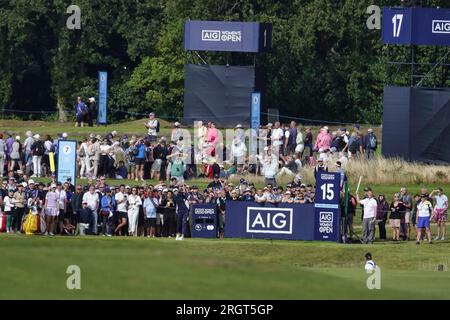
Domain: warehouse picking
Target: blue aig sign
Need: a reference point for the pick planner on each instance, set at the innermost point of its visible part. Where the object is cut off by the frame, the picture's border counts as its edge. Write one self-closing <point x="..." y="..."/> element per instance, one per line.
<point x="269" y="220"/>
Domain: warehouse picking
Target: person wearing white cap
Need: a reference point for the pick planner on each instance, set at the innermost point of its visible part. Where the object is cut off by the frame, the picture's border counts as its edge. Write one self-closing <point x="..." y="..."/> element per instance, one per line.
<point x="177" y="132"/>
<point x="27" y="147"/>
<point x="323" y="140"/>
<point x="93" y="201"/>
<point x="37" y="149"/>
<point x="16" y="155"/>
<point x="240" y="133"/>
<point x="92" y="109"/>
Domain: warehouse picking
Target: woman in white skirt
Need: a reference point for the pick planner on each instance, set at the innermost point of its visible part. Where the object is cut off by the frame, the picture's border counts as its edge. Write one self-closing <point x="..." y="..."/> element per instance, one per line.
<point x="51" y="209"/>
<point x="134" y="202"/>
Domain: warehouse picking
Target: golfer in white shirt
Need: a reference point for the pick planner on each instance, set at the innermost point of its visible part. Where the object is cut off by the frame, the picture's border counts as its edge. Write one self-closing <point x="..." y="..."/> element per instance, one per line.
<point x="370" y="212"/>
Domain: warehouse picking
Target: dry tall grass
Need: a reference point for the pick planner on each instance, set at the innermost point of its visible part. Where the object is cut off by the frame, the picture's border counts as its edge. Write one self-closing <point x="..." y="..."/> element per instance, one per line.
<point x="379" y="170"/>
<point x="386" y="171"/>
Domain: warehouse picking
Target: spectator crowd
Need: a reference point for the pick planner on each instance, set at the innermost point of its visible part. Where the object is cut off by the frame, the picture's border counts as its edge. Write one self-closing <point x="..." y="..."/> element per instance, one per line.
<point x="163" y="209"/>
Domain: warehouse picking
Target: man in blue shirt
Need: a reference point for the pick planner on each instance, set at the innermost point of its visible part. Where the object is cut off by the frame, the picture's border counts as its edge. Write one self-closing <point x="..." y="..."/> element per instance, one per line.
<point x="140" y="160"/>
<point x="81" y="112"/>
<point x="108" y="203"/>
<point x="150" y="205"/>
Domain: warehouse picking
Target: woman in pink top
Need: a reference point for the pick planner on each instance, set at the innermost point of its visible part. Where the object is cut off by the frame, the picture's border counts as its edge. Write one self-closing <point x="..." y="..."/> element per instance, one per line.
<point x="212" y="135"/>
<point x="323" y="140"/>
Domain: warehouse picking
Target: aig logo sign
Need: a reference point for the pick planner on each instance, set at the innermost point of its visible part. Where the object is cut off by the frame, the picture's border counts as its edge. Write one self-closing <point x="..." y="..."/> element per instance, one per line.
<point x="224" y="36"/>
<point x="269" y="220"/>
<point x="326" y="222"/>
<point x="441" y="26"/>
<point x="210" y="35"/>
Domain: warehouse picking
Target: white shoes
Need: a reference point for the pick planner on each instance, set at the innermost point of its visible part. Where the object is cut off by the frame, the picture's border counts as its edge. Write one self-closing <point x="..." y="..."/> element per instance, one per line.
<point x="179" y="238"/>
<point x="46" y="234"/>
<point x="437" y="238"/>
<point x="442" y="238"/>
<point x="51" y="233"/>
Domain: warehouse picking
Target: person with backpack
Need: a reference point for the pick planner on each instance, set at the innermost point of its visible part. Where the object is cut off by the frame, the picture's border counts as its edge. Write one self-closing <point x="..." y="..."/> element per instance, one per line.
<point x="177" y="168"/>
<point x="130" y="157"/>
<point x="81" y="112"/>
<point x="153" y="127"/>
<point x="353" y="145"/>
<point x="370" y="144"/>
<point x="37" y="150"/>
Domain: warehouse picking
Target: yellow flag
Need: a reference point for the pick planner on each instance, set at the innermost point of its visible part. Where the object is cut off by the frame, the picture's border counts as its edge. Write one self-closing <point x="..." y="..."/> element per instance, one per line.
<point x="51" y="156"/>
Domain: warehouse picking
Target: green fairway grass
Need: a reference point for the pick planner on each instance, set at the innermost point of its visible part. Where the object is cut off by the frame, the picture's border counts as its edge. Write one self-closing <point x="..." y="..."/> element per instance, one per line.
<point x="140" y="268"/>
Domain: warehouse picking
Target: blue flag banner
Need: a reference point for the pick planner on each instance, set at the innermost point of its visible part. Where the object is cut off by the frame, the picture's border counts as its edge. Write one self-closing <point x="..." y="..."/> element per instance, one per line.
<point x="227" y="36"/>
<point x="102" y="97"/>
<point x="268" y="221"/>
<point x="204" y="221"/>
<point x="327" y="209"/>
<point x="255" y="121"/>
<point x="416" y="26"/>
<point x="67" y="161"/>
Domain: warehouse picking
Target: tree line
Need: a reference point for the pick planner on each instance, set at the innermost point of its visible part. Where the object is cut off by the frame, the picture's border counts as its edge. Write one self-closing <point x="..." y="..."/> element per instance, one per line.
<point x="325" y="63"/>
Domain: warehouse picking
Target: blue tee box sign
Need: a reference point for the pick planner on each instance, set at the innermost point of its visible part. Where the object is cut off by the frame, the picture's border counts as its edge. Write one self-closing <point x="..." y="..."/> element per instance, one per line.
<point x="204" y="221"/>
<point x="67" y="161"/>
<point x="416" y="26"/>
<point x="327" y="206"/>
